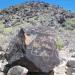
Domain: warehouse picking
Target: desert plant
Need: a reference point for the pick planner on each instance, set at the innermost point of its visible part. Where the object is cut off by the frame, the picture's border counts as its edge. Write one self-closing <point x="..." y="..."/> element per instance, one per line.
<point x="70" y="23"/>
<point x="1" y="26"/>
<point x="8" y="30"/>
<point x="59" y="43"/>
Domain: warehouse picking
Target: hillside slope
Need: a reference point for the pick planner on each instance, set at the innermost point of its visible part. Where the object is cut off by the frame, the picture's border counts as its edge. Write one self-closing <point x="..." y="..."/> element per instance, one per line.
<point x="39" y="16"/>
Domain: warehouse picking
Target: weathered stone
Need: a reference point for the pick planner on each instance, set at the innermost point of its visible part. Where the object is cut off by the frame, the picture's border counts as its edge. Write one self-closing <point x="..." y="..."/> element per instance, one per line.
<point x="68" y="71"/>
<point x="17" y="70"/>
<point x="60" y="18"/>
<point x="2" y="64"/>
<point x="41" y="53"/>
<point x="71" y="63"/>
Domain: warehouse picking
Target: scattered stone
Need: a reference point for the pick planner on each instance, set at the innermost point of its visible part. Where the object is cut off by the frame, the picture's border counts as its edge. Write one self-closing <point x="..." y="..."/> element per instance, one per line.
<point x="60" y="18"/>
<point x="2" y="65"/>
<point x="71" y="63"/>
<point x="17" y="70"/>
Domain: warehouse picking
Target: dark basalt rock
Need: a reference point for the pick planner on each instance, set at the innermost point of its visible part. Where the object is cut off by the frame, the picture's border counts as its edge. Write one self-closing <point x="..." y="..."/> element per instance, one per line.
<point x="40" y="56"/>
<point x="60" y="18"/>
<point x="43" y="52"/>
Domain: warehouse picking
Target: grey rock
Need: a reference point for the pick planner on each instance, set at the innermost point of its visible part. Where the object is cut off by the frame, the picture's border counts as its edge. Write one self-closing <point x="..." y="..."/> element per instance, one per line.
<point x="71" y="63"/>
<point x="73" y="56"/>
<point x="41" y="53"/>
<point x="60" y="18"/>
<point x="17" y="70"/>
<point x="44" y="51"/>
<point x="2" y="64"/>
<point x="2" y="55"/>
<point x="70" y="71"/>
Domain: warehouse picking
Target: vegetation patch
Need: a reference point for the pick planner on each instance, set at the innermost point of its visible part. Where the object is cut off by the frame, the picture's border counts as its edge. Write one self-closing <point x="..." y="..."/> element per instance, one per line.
<point x="1" y="26"/>
<point x="59" y="43"/>
<point x="2" y="39"/>
<point x="8" y="30"/>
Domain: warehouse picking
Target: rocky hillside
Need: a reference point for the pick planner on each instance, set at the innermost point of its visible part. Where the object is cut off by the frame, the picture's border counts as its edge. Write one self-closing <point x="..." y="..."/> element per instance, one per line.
<point x="39" y="17"/>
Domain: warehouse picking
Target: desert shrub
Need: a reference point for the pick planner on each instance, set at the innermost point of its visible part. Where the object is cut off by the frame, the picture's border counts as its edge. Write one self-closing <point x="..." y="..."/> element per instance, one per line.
<point x="8" y="30"/>
<point x="2" y="39"/>
<point x="70" y="23"/>
<point x="1" y="26"/>
<point x="59" y="43"/>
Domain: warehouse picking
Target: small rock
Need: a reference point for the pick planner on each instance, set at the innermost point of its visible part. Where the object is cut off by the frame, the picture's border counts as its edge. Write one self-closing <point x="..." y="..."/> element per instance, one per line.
<point x="60" y="18"/>
<point x="68" y="71"/>
<point x="61" y="69"/>
<point x="1" y="73"/>
<point x="71" y="63"/>
<point x="17" y="70"/>
<point x="2" y="64"/>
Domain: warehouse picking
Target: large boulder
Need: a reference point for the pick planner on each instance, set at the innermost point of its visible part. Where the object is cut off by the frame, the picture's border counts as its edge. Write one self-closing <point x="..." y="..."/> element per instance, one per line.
<point x="39" y="56"/>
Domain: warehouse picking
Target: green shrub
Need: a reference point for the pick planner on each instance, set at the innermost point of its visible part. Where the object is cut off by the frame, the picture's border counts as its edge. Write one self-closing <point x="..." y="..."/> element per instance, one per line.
<point x="2" y="39"/>
<point x="59" y="43"/>
<point x="70" y="23"/>
<point x="8" y="30"/>
<point x="1" y="26"/>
